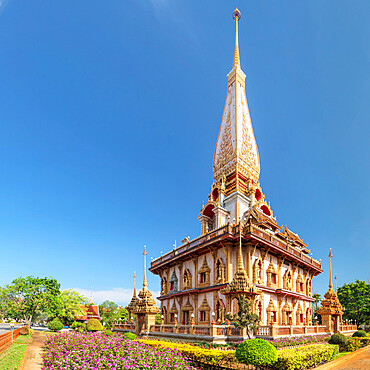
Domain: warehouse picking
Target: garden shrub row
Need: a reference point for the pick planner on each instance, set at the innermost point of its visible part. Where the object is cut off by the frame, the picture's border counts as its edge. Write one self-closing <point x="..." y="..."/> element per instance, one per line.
<point x="354" y="343"/>
<point x="304" y="357"/>
<point x="198" y="356"/>
<point x="298" y="340"/>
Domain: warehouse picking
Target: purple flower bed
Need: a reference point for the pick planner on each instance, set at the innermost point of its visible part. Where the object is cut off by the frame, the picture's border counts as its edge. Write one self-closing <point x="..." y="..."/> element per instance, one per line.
<point x="296" y="341"/>
<point x="73" y="350"/>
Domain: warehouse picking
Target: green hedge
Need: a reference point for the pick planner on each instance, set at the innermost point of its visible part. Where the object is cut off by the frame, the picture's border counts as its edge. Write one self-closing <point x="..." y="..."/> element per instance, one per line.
<point x="304" y="357"/>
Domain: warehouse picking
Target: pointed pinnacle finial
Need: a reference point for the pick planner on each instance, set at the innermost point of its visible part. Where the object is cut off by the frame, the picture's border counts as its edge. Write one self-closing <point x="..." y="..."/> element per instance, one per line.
<point x="91" y="299"/>
<point x="145" y="253"/>
<point x="236" y="16"/>
<point x="134" y="283"/>
<point x="240" y="252"/>
<point x="330" y="280"/>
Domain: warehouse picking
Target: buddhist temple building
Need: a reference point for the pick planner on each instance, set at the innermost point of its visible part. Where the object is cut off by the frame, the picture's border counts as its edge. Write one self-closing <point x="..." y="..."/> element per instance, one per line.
<point x="91" y="311"/>
<point x="241" y="250"/>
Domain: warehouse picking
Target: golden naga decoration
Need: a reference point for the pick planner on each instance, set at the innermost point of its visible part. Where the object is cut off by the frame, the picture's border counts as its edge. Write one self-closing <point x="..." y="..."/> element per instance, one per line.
<point x="236" y="149"/>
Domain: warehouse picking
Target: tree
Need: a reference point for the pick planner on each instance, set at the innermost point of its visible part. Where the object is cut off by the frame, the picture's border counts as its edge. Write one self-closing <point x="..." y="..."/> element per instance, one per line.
<point x="70" y="303"/>
<point x="5" y="299"/>
<point x="245" y="318"/>
<point x="108" y="312"/>
<point x="355" y="297"/>
<point x="316" y="305"/>
<point x="27" y="295"/>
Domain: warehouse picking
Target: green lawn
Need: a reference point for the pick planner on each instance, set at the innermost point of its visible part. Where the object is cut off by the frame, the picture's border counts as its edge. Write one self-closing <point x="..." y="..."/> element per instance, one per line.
<point x="11" y="358"/>
<point x="341" y="354"/>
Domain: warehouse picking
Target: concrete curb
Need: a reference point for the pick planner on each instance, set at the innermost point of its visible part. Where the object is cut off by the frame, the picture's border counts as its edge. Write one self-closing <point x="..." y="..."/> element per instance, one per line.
<point x="23" y="362"/>
<point x="343" y="359"/>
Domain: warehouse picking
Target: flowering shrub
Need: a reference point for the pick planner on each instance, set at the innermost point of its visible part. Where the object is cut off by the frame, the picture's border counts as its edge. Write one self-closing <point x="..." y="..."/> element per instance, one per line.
<point x="296" y="341"/>
<point x="197" y="355"/>
<point x="304" y="357"/>
<point x="74" y="350"/>
<point x="352" y="344"/>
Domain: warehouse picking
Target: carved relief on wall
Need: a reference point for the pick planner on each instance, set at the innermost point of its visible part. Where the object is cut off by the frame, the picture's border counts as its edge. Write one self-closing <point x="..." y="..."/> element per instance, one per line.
<point x="187" y="280"/>
<point x="219" y="271"/>
<point x="287" y="280"/>
<point x="173" y="282"/>
<point x="164" y="286"/>
<point x="219" y="308"/>
<point x="299" y="284"/>
<point x="258" y="271"/>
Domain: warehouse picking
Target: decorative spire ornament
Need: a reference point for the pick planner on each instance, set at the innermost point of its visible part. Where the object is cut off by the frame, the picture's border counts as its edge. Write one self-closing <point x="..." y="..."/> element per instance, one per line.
<point x="134" y="283"/>
<point x="330" y="280"/>
<point x="145" y="284"/>
<point x="236" y="16"/>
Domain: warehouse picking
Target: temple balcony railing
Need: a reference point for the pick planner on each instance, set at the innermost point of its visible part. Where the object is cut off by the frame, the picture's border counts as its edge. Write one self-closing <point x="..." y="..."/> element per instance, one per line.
<point x="228" y="331"/>
<point x="233" y="232"/>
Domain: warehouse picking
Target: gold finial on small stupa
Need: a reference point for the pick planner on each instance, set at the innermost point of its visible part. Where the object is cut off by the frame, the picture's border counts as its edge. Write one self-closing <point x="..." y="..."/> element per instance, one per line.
<point x="134" y="283"/>
<point x="145" y="253"/>
<point x="330" y="280"/>
<point x="240" y="251"/>
<point x="91" y="299"/>
<point x="236" y="16"/>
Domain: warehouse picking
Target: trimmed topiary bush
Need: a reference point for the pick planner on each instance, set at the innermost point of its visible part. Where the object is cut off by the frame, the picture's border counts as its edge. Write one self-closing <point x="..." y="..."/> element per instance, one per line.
<point x="338" y="338"/>
<point x="359" y="333"/>
<point x="257" y="352"/>
<point x="130" y="336"/>
<point x="94" y="325"/>
<point x="108" y="333"/>
<point x="55" y="325"/>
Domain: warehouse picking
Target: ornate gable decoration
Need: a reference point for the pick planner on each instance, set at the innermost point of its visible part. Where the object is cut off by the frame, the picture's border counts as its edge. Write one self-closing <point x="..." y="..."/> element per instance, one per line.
<point x="271" y="268"/>
<point x="204" y="306"/>
<point x="271" y="307"/>
<point x="204" y="267"/>
<point x="174" y="308"/>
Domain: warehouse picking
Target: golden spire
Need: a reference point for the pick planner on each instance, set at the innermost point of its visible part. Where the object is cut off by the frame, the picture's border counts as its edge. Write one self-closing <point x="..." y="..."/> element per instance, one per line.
<point x="145" y="283"/>
<point x="236" y="17"/>
<point x="330" y="280"/>
<point x="134" y="283"/>
<point x="240" y="252"/>
<point x="91" y="299"/>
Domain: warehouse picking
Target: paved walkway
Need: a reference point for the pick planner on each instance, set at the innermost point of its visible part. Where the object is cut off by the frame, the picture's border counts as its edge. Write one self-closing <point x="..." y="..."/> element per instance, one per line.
<point x="34" y="360"/>
<point x="358" y="360"/>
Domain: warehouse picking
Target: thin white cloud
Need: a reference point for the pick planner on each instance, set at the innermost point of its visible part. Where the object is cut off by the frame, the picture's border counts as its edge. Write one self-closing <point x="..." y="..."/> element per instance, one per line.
<point x="118" y="295"/>
<point x="3" y="4"/>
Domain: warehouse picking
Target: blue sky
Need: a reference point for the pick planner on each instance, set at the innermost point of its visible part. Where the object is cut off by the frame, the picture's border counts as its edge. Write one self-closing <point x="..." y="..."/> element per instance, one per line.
<point x="110" y="112"/>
